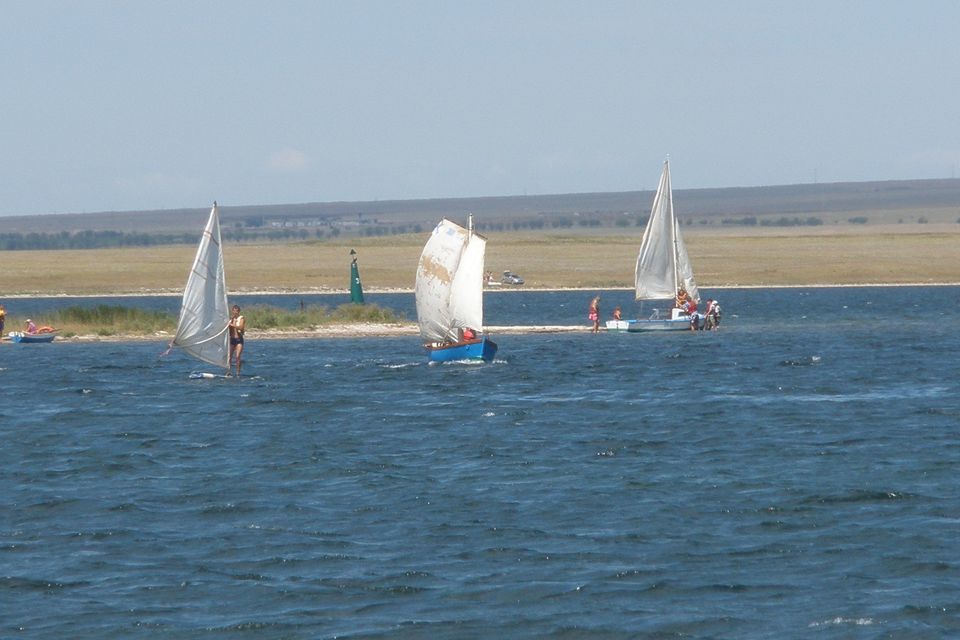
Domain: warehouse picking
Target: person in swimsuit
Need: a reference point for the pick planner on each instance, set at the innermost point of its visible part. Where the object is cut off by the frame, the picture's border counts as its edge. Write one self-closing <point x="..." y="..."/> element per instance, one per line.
<point x="237" y="325"/>
<point x="594" y="314"/>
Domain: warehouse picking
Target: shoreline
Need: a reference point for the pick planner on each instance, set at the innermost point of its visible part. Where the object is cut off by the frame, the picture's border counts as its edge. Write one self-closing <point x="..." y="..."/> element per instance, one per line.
<point x="524" y="289"/>
<point x="359" y="330"/>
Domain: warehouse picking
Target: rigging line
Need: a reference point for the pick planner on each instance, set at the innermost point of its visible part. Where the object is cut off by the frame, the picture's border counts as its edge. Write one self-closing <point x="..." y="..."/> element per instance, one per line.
<point x="214" y="337"/>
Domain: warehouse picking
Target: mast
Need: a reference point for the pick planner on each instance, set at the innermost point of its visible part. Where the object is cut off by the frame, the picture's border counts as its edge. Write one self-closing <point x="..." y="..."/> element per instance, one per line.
<point x="673" y="229"/>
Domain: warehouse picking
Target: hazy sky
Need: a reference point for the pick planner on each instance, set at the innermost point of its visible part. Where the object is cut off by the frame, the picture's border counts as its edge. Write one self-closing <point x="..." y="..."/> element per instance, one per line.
<point x="166" y="104"/>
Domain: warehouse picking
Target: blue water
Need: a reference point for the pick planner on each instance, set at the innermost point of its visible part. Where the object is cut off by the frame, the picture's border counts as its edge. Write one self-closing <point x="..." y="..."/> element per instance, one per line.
<point x="792" y="475"/>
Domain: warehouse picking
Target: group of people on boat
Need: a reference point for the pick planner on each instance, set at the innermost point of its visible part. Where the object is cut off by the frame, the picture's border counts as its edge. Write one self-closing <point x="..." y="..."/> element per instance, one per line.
<point x="709" y="320"/>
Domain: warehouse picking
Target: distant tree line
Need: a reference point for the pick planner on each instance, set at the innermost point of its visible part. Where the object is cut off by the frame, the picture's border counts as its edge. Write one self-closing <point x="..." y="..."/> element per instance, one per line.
<point x="88" y="240"/>
<point x="253" y="229"/>
<point x="119" y="239"/>
<point x="782" y="221"/>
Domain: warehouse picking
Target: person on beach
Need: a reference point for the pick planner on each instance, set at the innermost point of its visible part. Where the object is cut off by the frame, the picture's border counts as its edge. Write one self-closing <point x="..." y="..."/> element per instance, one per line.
<point x="237" y="325"/>
<point x="594" y="313"/>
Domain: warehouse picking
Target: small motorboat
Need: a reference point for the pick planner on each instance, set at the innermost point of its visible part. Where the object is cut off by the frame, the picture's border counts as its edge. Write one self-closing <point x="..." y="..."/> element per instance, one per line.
<point x="20" y="336"/>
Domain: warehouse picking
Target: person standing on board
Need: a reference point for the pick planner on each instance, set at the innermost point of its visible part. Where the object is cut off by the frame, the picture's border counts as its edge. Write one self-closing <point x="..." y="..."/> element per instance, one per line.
<point x="237" y="325"/>
<point x="3" y="318"/>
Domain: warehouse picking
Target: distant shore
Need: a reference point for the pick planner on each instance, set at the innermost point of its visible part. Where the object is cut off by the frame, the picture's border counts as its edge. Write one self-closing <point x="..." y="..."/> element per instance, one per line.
<point x="844" y="255"/>
<point x="521" y="289"/>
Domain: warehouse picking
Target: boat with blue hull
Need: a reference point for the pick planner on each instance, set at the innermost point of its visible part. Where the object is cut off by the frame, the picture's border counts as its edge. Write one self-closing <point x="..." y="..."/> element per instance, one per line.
<point x="481" y="349"/>
<point x="449" y="295"/>
<point x="30" y="338"/>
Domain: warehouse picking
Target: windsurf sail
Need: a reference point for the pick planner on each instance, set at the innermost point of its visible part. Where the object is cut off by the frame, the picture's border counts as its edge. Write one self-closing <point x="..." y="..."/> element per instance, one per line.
<point x="204" y="315"/>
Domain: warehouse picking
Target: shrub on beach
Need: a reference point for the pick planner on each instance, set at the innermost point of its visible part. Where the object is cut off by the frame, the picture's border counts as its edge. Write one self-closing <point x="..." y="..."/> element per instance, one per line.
<point x="114" y="320"/>
<point x="108" y="320"/>
<point x="270" y="317"/>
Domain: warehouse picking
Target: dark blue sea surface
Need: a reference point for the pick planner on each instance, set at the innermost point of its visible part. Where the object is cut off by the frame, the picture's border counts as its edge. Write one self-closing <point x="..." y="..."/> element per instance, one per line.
<point x="792" y="475"/>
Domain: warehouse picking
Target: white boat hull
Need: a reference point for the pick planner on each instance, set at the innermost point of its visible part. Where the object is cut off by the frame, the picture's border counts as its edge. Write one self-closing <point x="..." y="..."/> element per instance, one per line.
<point x="678" y="321"/>
<point x="663" y="324"/>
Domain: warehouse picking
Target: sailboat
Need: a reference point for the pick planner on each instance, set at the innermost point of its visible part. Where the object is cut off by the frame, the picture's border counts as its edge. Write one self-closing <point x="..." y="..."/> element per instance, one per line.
<point x="449" y="294"/>
<point x="202" y="327"/>
<point x="663" y="267"/>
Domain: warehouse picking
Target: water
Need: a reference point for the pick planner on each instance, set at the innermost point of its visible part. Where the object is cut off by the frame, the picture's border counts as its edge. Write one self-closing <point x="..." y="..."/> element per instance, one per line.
<point x="792" y="475"/>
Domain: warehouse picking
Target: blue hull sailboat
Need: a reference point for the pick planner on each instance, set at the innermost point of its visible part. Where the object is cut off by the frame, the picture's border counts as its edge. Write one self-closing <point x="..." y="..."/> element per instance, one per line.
<point x="449" y="295"/>
<point x="483" y="349"/>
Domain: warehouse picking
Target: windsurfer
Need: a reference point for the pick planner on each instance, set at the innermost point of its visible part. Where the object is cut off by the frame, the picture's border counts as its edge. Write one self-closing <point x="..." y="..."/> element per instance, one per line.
<point x="237" y="325"/>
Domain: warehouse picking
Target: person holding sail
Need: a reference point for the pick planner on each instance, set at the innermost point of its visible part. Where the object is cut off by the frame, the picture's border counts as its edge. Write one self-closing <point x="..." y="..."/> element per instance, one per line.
<point x="237" y="326"/>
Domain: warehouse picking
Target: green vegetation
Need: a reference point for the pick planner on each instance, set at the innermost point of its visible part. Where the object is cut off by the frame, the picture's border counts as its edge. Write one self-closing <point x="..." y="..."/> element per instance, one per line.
<point x="108" y="320"/>
<point x="115" y="320"/>
<point x="782" y="221"/>
<point x="89" y="240"/>
<point x="263" y="317"/>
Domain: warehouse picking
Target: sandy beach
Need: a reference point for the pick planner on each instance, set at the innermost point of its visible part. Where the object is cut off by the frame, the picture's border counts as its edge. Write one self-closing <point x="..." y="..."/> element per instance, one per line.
<point x="360" y="330"/>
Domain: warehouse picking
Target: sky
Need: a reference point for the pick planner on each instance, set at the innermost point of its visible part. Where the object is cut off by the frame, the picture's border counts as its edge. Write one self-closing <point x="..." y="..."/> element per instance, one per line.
<point x="114" y="106"/>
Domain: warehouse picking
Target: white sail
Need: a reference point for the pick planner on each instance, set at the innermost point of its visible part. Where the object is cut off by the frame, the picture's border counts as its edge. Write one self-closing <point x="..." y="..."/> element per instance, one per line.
<point x="449" y="287"/>
<point x="202" y="328"/>
<point x="466" y="295"/>
<point x="663" y="264"/>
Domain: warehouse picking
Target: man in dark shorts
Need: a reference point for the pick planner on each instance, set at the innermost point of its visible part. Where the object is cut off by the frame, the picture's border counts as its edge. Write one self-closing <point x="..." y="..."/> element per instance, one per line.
<point x="238" y="325"/>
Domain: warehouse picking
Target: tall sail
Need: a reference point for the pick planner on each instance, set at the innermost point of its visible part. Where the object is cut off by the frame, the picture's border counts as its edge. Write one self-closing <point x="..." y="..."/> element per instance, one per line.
<point x="663" y="264"/>
<point x="435" y="276"/>
<point x="466" y="294"/>
<point x="202" y="329"/>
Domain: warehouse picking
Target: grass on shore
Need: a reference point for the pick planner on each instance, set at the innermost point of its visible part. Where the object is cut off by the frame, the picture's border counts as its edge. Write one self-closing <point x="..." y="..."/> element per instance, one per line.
<point x="893" y="254"/>
<point x="116" y="320"/>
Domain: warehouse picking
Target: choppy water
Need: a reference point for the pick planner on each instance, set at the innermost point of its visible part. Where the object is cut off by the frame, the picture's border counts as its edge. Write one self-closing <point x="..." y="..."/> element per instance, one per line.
<point x="793" y="475"/>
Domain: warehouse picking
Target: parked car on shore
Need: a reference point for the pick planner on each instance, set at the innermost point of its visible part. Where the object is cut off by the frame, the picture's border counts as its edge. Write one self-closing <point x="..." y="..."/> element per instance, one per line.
<point x="511" y="278"/>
